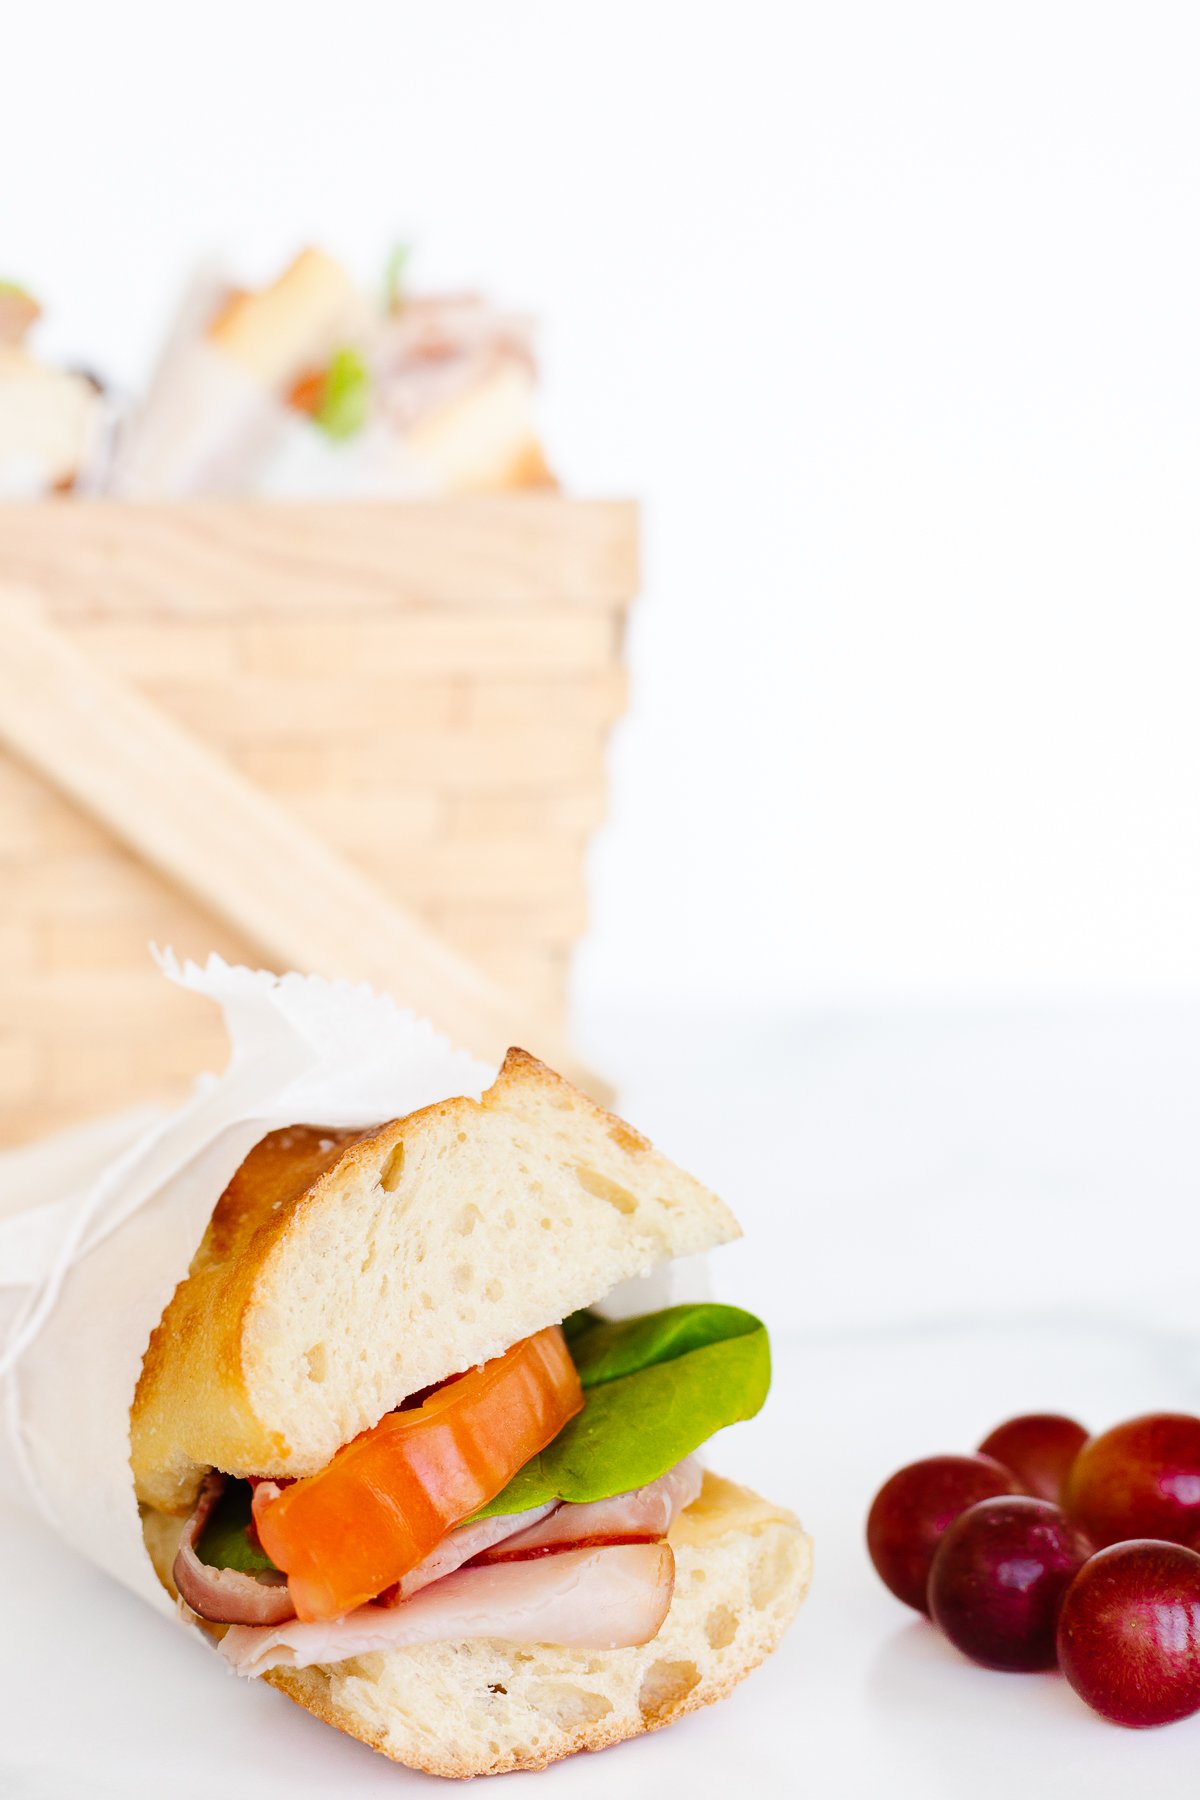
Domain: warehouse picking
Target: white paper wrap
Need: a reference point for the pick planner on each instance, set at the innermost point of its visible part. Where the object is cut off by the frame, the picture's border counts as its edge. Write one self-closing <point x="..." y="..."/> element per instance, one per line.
<point x="207" y="428"/>
<point x="89" y="1260"/>
<point x="206" y="425"/>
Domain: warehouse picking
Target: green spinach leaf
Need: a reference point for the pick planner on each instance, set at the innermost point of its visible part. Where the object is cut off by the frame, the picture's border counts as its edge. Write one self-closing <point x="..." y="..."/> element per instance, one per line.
<point x="655" y="1389"/>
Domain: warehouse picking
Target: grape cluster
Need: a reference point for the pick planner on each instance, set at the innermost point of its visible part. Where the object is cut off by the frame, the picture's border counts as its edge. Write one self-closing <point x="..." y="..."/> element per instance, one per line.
<point x="1049" y="1548"/>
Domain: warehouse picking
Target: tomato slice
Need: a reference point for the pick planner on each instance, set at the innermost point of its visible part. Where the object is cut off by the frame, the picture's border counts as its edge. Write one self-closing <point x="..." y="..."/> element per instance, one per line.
<point x="386" y="1499"/>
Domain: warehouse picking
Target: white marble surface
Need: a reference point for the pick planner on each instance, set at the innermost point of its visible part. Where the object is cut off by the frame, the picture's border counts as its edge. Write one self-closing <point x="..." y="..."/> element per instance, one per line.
<point x="950" y="1218"/>
<point x="101" y="1698"/>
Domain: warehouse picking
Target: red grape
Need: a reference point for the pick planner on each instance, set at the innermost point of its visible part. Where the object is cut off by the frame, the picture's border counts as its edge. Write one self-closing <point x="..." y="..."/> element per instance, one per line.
<point x="998" y="1578"/>
<point x="912" y="1510"/>
<point x="1040" y="1448"/>
<point x="1139" y="1480"/>
<point x="1129" y="1632"/>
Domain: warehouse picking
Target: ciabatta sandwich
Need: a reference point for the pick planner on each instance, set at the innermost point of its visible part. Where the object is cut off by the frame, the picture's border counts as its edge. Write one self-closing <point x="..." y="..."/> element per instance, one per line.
<point x="393" y="1459"/>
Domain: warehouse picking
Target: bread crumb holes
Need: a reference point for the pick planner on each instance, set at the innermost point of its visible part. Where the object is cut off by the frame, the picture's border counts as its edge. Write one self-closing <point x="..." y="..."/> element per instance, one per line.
<point x="665" y="1686"/>
<point x="720" y="1627"/>
<point x="602" y="1187"/>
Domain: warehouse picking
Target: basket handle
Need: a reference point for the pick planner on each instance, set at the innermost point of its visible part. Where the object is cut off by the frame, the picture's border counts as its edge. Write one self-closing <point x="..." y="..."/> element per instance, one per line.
<point x="195" y="819"/>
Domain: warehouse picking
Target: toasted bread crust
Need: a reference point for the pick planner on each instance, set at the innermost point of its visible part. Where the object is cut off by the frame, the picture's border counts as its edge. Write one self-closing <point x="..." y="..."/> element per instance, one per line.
<point x="203" y="1325"/>
<point x="310" y="1689"/>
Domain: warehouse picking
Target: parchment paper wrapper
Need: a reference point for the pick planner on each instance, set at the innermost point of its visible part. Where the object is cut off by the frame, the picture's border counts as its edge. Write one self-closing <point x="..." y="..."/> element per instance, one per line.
<point x="206" y="426"/>
<point x="98" y="1226"/>
<point x="97" y="1229"/>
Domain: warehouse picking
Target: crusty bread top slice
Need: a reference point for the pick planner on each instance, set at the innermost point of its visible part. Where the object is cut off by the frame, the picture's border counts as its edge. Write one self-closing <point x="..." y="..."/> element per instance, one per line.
<point x="342" y="1271"/>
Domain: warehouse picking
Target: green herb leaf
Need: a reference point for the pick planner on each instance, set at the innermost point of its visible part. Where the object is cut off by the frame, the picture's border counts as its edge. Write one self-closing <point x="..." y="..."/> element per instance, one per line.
<point x="345" y="396"/>
<point x="226" y="1542"/>
<point x="656" y="1388"/>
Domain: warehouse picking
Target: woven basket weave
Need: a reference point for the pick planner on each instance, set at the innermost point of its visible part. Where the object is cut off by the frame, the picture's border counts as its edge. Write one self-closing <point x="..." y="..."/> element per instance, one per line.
<point x="427" y="688"/>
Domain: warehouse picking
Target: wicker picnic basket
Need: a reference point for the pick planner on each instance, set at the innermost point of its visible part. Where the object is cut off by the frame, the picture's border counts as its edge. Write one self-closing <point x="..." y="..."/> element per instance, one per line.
<point x="366" y="739"/>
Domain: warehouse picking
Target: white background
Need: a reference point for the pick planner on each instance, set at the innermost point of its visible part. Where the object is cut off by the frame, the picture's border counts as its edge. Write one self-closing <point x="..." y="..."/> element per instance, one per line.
<point x="888" y="313"/>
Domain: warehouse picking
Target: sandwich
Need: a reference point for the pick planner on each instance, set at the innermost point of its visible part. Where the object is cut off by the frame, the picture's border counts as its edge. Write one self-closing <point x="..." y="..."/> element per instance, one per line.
<point x="215" y="418"/>
<point x="401" y="1452"/>
<point x="51" y="419"/>
<point x="454" y="381"/>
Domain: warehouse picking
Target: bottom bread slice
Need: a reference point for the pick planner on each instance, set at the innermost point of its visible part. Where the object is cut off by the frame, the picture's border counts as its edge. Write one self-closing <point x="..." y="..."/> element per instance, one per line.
<point x="485" y="1707"/>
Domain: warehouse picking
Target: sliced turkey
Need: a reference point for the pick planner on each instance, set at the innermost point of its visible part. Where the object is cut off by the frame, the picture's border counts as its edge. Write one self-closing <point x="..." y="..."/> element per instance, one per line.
<point x="648" y="1511"/>
<point x="597" y="1599"/>
<point x="463" y="1543"/>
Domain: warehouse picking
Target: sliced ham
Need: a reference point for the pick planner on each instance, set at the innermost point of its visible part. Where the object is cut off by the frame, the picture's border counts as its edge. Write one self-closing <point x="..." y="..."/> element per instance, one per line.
<point x="226" y="1596"/>
<point x="598" y="1599"/>
<point x="645" y="1512"/>
<point x="648" y="1511"/>
<point x="463" y="1543"/>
